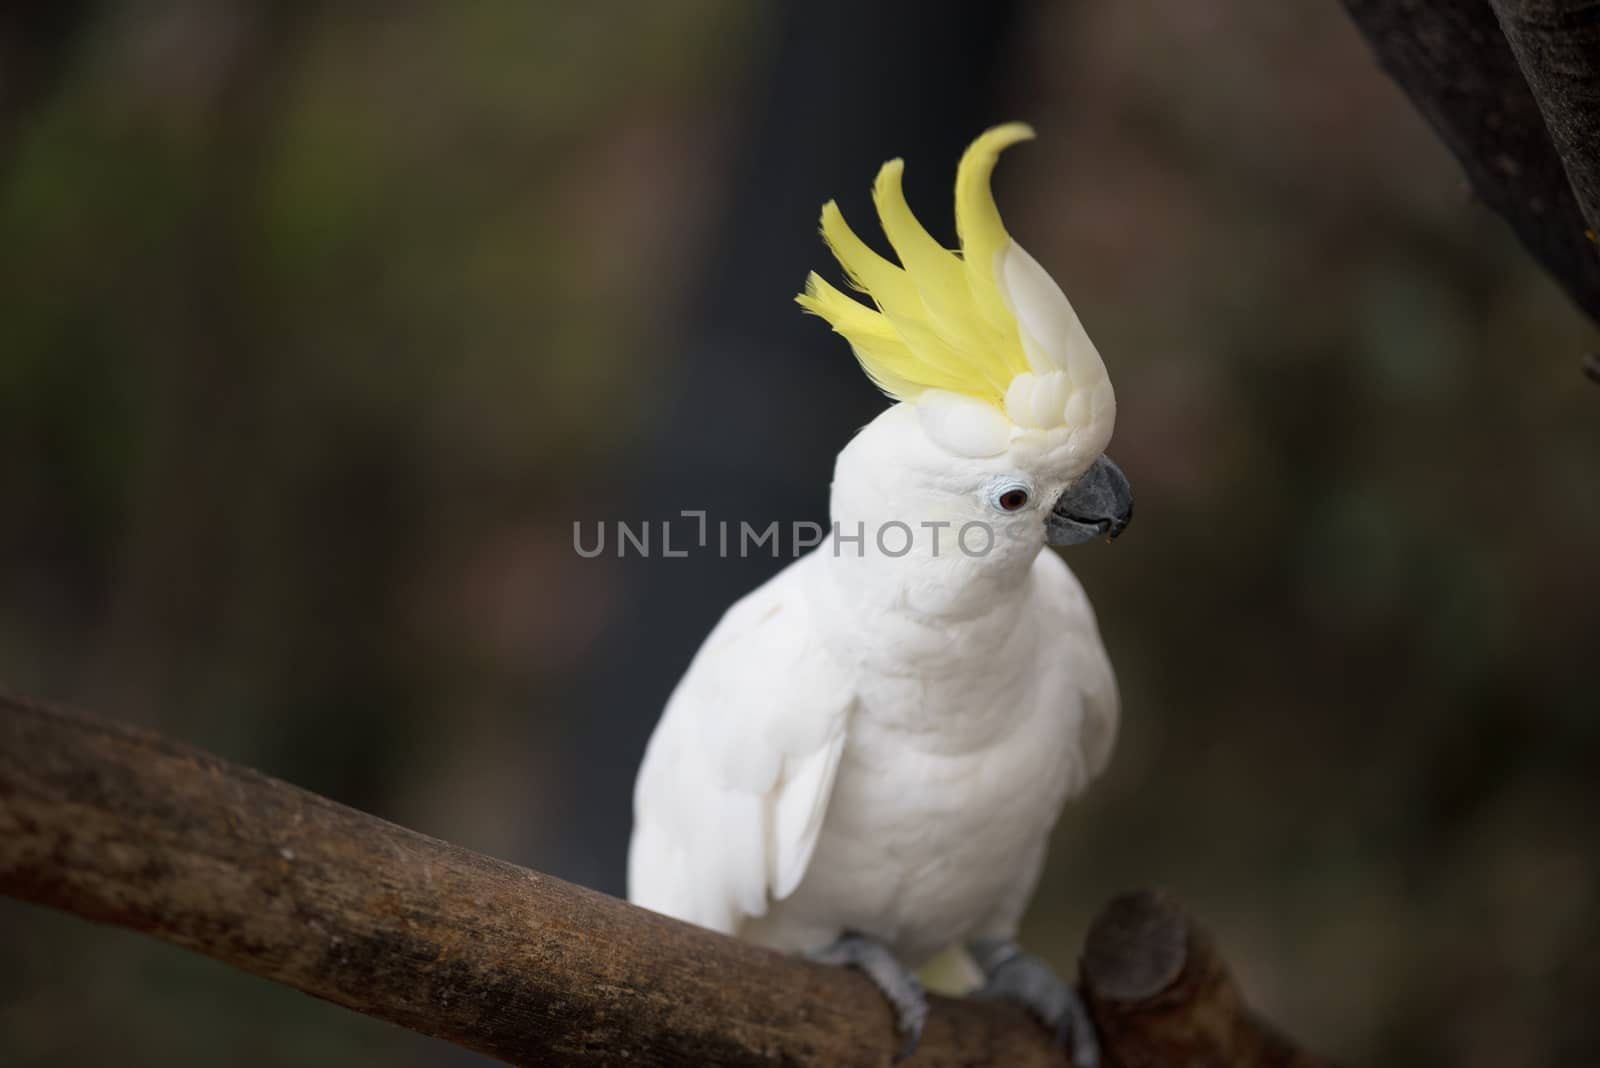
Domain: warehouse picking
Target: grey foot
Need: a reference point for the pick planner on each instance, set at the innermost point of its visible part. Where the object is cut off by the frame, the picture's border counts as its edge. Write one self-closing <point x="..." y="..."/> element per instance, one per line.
<point x="1012" y="975"/>
<point x="904" y="992"/>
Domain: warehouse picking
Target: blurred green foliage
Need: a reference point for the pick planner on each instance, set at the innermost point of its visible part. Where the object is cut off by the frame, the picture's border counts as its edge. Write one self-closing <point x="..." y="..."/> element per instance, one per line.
<point x="319" y="329"/>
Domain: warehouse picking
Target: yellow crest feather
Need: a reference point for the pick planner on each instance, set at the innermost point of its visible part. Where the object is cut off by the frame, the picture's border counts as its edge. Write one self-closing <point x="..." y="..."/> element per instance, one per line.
<point x="940" y="320"/>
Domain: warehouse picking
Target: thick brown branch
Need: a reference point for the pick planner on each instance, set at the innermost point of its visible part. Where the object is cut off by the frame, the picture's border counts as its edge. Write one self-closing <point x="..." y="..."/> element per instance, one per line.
<point x="1161" y="995"/>
<point x="1453" y="61"/>
<point x="126" y="828"/>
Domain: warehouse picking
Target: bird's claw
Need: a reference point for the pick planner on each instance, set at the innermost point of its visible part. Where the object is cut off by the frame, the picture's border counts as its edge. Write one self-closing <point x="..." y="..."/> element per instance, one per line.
<point x="901" y="988"/>
<point x="1012" y="975"/>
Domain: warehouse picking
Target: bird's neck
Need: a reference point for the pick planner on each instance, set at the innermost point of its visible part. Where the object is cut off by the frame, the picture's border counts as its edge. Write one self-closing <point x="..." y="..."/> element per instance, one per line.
<point x="905" y="572"/>
<point x="917" y="614"/>
<point x="905" y="618"/>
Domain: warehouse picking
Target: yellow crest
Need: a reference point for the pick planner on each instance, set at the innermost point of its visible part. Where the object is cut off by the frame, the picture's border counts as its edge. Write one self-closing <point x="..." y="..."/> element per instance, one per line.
<point x="941" y="320"/>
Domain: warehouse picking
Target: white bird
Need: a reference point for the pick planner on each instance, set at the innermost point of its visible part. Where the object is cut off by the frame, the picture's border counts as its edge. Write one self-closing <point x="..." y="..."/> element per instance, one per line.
<point x="866" y="757"/>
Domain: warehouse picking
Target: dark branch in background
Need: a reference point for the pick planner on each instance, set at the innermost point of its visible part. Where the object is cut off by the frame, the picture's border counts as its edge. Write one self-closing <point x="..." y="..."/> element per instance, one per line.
<point x="1161" y="995"/>
<point x="126" y="828"/>
<point x="1453" y="60"/>
<point x="1557" y="45"/>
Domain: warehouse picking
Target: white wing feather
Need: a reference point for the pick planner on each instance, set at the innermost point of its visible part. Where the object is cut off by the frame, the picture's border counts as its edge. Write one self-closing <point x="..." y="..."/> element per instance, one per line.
<point x="736" y="779"/>
<point x="1066" y="612"/>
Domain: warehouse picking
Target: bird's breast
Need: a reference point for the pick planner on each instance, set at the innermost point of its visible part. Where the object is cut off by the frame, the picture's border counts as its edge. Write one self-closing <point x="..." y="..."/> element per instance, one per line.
<point x="926" y="830"/>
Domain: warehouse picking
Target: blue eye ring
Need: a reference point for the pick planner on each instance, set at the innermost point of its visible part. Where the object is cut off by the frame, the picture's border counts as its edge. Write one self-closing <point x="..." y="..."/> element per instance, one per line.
<point x="1011" y="497"/>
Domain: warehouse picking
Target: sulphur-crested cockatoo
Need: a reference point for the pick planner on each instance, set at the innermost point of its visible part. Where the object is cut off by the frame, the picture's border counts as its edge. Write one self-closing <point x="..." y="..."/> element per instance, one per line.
<point x="865" y="759"/>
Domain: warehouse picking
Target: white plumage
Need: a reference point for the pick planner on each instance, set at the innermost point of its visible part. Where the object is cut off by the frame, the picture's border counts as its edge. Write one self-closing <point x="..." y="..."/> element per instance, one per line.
<point x="876" y="744"/>
<point x="880" y="742"/>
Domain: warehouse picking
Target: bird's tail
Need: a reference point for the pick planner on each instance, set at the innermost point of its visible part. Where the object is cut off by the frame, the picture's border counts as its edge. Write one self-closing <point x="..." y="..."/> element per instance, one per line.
<point x="953" y="972"/>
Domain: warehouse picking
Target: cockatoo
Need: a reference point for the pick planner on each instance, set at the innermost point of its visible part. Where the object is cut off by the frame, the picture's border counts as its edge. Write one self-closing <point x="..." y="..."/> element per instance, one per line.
<point x="864" y="760"/>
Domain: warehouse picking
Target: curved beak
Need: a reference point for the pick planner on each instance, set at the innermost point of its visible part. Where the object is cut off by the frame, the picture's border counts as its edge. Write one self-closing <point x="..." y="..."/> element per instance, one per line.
<point x="1101" y="502"/>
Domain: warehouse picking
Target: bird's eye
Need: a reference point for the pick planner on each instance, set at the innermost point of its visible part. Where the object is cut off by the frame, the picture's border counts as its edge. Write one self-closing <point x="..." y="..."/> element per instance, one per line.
<point x="1011" y="498"/>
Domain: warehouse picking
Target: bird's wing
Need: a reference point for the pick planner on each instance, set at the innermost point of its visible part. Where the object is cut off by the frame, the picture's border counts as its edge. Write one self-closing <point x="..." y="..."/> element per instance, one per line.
<point x="736" y="779"/>
<point x="1070" y="616"/>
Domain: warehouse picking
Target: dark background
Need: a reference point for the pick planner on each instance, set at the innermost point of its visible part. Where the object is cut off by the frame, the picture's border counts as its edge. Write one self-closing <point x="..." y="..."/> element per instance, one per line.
<point x="319" y="330"/>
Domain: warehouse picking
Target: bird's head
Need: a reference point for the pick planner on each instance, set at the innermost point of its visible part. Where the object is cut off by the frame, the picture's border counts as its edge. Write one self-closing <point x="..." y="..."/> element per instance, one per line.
<point x="1005" y="409"/>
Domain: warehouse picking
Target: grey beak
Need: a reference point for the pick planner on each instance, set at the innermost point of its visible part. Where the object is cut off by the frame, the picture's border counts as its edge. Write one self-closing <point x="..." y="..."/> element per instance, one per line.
<point x="1101" y="502"/>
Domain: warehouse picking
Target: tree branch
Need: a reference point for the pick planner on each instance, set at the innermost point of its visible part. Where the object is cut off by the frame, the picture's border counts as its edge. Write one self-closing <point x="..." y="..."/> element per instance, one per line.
<point x="1557" y="45"/>
<point x="1161" y="995"/>
<point x="126" y="828"/>
<point x="1452" y="59"/>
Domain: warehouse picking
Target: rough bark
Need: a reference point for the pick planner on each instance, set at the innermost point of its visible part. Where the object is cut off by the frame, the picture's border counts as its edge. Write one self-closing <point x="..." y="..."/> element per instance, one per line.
<point x="126" y="828"/>
<point x="1557" y="45"/>
<point x="1162" y="997"/>
<point x="1456" y="65"/>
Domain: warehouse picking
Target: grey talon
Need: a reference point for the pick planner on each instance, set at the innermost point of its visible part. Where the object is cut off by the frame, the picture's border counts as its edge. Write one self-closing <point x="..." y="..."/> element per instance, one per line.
<point x="1012" y="975"/>
<point x="894" y="980"/>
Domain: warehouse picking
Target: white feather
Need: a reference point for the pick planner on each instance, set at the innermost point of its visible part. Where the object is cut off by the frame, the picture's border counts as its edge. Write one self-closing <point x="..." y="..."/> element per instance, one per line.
<point x="963" y="425"/>
<point x="736" y="779"/>
<point x="881" y="742"/>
